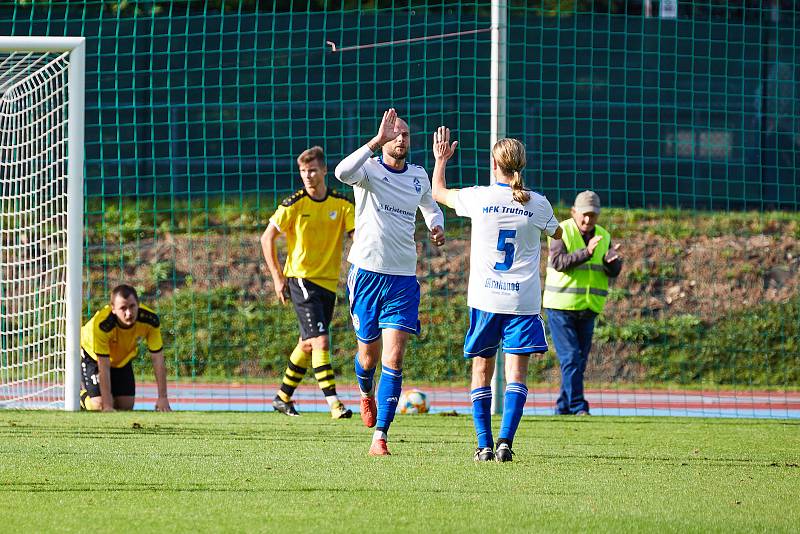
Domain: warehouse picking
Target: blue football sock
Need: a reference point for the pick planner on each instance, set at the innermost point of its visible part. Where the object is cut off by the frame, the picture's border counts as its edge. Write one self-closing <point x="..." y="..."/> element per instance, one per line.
<point x="365" y="377"/>
<point x="388" y="395"/>
<point x="482" y="415"/>
<point x="514" y="402"/>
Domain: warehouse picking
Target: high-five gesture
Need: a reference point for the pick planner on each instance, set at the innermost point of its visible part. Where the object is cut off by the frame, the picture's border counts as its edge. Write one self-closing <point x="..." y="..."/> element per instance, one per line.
<point x="442" y="149"/>
<point x="388" y="193"/>
<point x="387" y="131"/>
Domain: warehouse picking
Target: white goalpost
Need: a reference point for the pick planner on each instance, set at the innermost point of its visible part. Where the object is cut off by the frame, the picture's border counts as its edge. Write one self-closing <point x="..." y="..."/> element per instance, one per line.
<point x="41" y="220"/>
<point x="498" y="80"/>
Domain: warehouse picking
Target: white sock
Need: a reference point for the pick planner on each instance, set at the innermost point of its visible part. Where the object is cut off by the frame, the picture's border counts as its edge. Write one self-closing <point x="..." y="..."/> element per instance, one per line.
<point x="379" y="434"/>
<point x="332" y="399"/>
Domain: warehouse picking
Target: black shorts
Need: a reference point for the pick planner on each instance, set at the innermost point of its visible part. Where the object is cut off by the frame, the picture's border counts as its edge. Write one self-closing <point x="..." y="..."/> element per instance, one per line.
<point x="313" y="305"/>
<point x="122" y="382"/>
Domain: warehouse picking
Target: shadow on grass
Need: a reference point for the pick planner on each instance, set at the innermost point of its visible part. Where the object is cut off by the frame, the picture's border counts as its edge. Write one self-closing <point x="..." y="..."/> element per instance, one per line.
<point x="674" y="461"/>
<point x="137" y="487"/>
<point x="660" y="421"/>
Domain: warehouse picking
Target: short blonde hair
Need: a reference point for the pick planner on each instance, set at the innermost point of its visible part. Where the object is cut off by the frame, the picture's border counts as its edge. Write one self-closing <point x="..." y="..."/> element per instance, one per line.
<point x="315" y="153"/>
<point x="509" y="154"/>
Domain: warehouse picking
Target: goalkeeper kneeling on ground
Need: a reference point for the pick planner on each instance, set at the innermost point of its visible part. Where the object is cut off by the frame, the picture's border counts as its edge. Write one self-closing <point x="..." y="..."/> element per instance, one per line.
<point x="109" y="345"/>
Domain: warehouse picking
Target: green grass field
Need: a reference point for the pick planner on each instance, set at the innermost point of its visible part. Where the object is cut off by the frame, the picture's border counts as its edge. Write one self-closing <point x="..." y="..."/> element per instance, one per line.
<point x="238" y="472"/>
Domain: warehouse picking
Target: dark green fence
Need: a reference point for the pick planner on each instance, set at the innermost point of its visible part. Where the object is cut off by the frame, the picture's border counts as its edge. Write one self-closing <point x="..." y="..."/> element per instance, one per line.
<point x="654" y="112"/>
<point x="195" y="116"/>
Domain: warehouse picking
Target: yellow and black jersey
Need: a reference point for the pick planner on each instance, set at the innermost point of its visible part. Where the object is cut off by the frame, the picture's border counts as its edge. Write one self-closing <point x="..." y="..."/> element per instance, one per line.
<point x="314" y="232"/>
<point x="103" y="335"/>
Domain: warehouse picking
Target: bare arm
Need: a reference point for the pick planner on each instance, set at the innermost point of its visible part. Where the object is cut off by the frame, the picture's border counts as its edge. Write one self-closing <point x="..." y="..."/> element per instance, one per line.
<point x="104" y="376"/>
<point x="271" y="257"/>
<point x="160" y="370"/>
<point x="442" y="151"/>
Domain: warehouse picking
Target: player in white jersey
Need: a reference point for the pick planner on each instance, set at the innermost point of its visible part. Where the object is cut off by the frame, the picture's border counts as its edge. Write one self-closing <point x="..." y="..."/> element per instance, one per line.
<point x="382" y="283"/>
<point x="504" y="289"/>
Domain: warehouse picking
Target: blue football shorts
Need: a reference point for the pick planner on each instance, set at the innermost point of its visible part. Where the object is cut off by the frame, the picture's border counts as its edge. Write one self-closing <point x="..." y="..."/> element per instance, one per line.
<point x="519" y="334"/>
<point x="379" y="301"/>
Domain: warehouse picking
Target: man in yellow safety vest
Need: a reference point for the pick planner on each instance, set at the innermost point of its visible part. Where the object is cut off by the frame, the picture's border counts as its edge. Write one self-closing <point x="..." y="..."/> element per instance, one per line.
<point x="575" y="291"/>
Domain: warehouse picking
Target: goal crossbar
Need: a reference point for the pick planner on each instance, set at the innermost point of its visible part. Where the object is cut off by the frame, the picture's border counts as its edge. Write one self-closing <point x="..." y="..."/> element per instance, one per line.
<point x="42" y="44"/>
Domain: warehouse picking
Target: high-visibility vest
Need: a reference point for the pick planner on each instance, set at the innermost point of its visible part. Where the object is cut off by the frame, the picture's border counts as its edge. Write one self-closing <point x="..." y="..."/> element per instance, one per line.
<point x="584" y="286"/>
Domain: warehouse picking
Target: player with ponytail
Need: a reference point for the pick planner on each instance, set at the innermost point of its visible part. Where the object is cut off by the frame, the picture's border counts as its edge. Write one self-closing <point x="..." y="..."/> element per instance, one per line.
<point x="504" y="291"/>
<point x="509" y="157"/>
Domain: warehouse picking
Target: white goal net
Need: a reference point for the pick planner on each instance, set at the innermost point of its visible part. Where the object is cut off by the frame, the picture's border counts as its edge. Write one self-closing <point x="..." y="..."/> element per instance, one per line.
<point x="38" y="337"/>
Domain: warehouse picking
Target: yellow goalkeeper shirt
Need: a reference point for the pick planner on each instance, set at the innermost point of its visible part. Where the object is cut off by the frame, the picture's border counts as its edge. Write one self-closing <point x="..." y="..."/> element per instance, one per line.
<point x="103" y="335"/>
<point x="314" y="232"/>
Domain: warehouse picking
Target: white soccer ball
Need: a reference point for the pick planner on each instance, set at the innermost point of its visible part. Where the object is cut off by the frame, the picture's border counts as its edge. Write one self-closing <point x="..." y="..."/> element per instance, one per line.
<point x="413" y="401"/>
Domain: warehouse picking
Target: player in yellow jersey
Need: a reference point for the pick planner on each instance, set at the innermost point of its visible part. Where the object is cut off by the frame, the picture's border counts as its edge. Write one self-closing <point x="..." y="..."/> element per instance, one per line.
<point x="314" y="220"/>
<point x="109" y="344"/>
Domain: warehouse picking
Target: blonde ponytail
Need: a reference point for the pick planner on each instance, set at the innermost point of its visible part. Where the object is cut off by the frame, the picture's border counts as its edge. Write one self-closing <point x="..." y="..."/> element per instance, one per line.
<point x="509" y="154"/>
<point x="518" y="189"/>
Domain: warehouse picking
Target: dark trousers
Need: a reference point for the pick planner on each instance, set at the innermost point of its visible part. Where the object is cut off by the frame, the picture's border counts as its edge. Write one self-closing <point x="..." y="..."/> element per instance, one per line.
<point x="572" y="332"/>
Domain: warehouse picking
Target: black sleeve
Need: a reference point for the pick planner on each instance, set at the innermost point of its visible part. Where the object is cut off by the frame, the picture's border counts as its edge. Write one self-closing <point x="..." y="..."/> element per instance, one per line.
<point x="562" y="261"/>
<point x="613" y="268"/>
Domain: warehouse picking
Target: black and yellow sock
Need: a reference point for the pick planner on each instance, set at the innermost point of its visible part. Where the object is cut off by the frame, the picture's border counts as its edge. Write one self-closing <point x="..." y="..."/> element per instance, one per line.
<point x="323" y="372"/>
<point x="298" y="364"/>
<point x="84" y="396"/>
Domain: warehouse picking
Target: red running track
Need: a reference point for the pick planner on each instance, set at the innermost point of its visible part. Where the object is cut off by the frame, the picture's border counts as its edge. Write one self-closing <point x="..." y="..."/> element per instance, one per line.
<point x="627" y="401"/>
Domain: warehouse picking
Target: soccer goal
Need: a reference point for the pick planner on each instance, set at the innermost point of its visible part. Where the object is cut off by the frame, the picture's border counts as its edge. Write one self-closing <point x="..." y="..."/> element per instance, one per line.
<point x="41" y="220"/>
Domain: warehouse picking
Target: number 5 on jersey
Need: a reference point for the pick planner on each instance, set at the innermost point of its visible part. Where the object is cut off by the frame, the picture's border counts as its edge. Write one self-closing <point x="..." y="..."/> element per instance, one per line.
<point x="504" y="245"/>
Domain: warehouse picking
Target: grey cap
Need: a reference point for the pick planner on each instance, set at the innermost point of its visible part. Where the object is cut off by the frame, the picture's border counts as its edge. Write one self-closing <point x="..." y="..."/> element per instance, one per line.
<point x="588" y="201"/>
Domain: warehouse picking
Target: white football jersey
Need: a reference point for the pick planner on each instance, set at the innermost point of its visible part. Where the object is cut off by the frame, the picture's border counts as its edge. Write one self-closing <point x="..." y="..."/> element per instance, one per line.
<point x="386" y="212"/>
<point x="505" y="248"/>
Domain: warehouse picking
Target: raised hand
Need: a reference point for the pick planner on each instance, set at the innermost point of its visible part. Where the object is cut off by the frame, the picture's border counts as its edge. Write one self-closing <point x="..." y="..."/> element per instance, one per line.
<point x="443" y="150"/>
<point x="388" y="128"/>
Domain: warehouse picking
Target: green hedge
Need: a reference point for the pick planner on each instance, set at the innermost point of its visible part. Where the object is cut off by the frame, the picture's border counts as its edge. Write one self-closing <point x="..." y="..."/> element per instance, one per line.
<point x="226" y="334"/>
<point x="756" y="347"/>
